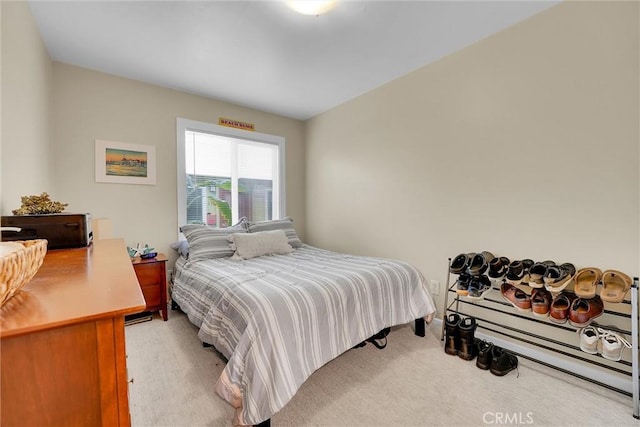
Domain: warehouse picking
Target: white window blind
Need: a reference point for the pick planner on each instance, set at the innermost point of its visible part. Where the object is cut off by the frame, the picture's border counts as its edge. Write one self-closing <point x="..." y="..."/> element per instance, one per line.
<point x="225" y="174"/>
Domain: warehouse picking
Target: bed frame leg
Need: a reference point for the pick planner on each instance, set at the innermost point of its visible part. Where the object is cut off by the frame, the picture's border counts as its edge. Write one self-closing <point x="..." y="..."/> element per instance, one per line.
<point x="265" y="423"/>
<point x="420" y="327"/>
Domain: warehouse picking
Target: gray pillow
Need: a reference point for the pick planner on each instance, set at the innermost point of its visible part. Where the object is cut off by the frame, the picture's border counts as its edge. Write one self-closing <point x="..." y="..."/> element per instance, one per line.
<point x="182" y="246"/>
<point x="285" y="224"/>
<point x="207" y="242"/>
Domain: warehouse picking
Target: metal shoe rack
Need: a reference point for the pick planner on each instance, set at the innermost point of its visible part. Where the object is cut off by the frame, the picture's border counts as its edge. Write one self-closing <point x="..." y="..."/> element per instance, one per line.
<point x="501" y="320"/>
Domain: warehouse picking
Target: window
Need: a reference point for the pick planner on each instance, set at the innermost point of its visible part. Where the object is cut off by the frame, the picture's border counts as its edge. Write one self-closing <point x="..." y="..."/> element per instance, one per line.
<point x="227" y="173"/>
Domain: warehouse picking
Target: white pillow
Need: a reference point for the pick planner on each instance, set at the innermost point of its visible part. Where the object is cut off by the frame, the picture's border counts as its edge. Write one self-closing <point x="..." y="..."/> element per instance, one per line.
<point x="251" y="245"/>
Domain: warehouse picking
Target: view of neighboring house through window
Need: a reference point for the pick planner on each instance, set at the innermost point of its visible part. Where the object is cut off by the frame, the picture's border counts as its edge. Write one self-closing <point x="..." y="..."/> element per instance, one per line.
<point x="228" y="174"/>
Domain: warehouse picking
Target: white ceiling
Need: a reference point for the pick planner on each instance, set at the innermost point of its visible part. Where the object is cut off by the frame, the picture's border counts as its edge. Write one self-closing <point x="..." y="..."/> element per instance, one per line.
<point x="261" y="54"/>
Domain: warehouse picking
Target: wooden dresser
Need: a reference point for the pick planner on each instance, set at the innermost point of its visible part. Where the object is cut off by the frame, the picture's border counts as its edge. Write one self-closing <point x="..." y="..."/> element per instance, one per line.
<point x="63" y="360"/>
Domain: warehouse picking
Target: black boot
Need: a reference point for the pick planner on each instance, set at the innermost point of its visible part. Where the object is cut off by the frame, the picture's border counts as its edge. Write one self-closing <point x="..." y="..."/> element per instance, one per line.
<point x="502" y="362"/>
<point x="468" y="346"/>
<point x="484" y="354"/>
<point x="452" y="344"/>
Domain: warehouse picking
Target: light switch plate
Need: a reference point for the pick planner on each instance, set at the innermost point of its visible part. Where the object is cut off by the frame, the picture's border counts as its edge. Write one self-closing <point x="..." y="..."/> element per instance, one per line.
<point x="434" y="287"/>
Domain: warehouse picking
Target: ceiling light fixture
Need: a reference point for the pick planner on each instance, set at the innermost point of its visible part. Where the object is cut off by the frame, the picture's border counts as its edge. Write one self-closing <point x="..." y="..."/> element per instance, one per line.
<point x="312" y="7"/>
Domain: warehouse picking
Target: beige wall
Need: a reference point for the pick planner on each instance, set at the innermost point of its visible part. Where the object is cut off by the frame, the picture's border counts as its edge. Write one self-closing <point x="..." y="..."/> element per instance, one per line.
<point x="524" y="144"/>
<point x="90" y="105"/>
<point x="25" y="161"/>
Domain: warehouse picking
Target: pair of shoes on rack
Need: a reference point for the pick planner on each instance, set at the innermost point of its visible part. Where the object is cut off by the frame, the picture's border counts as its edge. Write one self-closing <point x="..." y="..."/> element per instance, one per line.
<point x="460" y="336"/>
<point x="473" y="264"/>
<point x="495" y="359"/>
<point x="584" y="310"/>
<point x="608" y="343"/>
<point x="537" y="273"/>
<point x="498" y="267"/>
<point x="478" y="287"/>
<point x="580" y="312"/>
<point x="539" y="302"/>
<point x="462" y="284"/>
<point x="518" y="271"/>
<point x="615" y="284"/>
<point x="474" y="287"/>
<point x="558" y="277"/>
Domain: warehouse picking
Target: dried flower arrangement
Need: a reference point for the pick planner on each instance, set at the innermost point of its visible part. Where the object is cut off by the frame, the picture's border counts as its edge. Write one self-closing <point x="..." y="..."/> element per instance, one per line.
<point x="38" y="205"/>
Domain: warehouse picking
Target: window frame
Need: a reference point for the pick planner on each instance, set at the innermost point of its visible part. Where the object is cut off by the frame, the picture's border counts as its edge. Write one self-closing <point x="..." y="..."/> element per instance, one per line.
<point x="183" y="125"/>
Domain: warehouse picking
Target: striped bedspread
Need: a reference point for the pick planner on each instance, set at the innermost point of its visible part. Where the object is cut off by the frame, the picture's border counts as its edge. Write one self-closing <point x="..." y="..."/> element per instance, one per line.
<point x="279" y="318"/>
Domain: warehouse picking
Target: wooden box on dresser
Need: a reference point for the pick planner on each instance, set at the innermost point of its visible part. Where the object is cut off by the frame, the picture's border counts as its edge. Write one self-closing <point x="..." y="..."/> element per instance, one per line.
<point x="63" y="360"/>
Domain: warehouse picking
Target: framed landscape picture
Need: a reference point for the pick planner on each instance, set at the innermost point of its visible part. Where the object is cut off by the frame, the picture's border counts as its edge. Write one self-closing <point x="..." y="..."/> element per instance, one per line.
<point x="121" y="163"/>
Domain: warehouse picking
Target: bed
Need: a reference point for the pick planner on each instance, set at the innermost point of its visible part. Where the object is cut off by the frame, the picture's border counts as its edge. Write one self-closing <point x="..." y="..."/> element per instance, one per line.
<point x="279" y="317"/>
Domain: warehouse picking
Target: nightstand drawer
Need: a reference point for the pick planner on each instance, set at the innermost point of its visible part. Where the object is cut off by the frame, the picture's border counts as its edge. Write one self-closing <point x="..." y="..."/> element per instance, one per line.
<point x="152" y="296"/>
<point x="149" y="274"/>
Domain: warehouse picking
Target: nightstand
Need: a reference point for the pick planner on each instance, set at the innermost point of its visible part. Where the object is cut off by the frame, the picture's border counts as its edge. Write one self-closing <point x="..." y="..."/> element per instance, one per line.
<point x="152" y="276"/>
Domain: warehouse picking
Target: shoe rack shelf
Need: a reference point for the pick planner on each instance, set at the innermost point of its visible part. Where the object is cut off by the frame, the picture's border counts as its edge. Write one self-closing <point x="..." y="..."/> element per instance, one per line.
<point x="500" y="319"/>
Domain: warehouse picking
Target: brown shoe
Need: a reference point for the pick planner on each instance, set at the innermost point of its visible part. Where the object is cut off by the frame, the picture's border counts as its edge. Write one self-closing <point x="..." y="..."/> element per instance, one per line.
<point x="537" y="272"/>
<point x="586" y="281"/>
<point x="558" y="277"/>
<point x="516" y="296"/>
<point x="480" y="263"/>
<point x="560" y="306"/>
<point x="540" y="302"/>
<point x="615" y="285"/>
<point x="583" y="311"/>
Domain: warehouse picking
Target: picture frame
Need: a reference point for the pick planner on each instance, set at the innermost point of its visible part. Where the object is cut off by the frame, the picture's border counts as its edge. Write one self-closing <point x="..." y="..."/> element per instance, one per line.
<point x="123" y="163"/>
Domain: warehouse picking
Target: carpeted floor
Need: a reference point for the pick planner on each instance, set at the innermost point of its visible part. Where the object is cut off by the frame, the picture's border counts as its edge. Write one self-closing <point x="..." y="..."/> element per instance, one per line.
<point x="412" y="382"/>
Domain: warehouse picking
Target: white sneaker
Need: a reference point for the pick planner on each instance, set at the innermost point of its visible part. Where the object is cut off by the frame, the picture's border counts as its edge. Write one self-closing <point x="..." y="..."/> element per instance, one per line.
<point x="589" y="338"/>
<point x="612" y="345"/>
